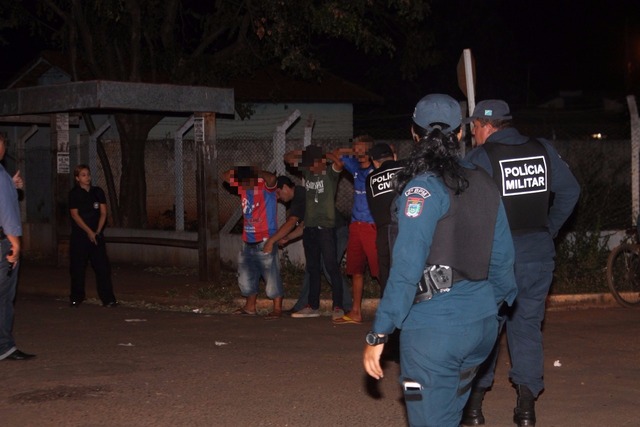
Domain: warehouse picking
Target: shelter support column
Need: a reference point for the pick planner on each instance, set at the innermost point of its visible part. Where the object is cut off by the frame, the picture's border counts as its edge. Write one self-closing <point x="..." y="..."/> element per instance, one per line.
<point x="204" y="128"/>
<point x="60" y="179"/>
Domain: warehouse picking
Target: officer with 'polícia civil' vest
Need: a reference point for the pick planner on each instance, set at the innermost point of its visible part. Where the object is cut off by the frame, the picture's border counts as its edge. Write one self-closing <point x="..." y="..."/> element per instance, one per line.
<point x="539" y="193"/>
<point x="381" y="194"/>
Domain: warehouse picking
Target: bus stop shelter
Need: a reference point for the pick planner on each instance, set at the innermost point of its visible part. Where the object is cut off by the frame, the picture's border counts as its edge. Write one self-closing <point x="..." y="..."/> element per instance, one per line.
<point x="53" y="105"/>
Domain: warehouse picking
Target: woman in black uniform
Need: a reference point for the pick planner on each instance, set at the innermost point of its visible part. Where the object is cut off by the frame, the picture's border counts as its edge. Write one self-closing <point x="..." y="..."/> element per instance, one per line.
<point x="88" y="209"/>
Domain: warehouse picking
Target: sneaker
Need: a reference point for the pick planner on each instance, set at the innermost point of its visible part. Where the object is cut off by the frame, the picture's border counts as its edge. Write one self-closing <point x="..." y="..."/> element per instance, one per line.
<point x="337" y="313"/>
<point x="306" y="312"/>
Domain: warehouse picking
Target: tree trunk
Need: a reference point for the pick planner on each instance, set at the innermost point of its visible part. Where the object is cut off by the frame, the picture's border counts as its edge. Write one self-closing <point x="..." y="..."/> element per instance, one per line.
<point x="114" y="209"/>
<point x="133" y="130"/>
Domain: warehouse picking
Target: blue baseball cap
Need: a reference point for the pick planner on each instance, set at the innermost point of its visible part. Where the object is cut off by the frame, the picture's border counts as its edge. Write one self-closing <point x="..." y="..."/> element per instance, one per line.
<point x="438" y="110"/>
<point x="490" y="109"/>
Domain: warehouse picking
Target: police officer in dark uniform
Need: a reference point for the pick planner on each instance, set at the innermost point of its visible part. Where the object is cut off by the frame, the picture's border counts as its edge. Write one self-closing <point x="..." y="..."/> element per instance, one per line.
<point x="380" y="196"/>
<point x="452" y="265"/>
<point x="527" y="172"/>
<point x="88" y="210"/>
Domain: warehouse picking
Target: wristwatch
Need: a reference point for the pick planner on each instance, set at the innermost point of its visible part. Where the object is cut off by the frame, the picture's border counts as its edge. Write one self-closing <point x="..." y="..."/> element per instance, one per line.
<point x="374" y="339"/>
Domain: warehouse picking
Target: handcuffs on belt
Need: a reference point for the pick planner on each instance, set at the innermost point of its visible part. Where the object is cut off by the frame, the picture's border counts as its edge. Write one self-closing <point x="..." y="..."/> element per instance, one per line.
<point x="435" y="279"/>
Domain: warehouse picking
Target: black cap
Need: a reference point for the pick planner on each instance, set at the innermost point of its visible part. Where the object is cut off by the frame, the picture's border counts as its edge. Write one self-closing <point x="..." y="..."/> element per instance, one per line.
<point x="284" y="180"/>
<point x="311" y="154"/>
<point x="380" y="151"/>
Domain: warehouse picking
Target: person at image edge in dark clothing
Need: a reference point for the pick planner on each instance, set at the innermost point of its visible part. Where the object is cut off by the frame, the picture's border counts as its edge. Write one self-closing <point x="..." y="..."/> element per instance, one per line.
<point x="88" y="210"/>
<point x="527" y="171"/>
<point x="10" y="233"/>
<point x="452" y="265"/>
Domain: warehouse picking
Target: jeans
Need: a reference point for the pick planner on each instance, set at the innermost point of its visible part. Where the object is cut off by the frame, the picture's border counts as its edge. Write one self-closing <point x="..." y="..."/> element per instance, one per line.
<point x="8" y="285"/>
<point x="320" y="244"/>
<point x="342" y="236"/>
<point x="253" y="263"/>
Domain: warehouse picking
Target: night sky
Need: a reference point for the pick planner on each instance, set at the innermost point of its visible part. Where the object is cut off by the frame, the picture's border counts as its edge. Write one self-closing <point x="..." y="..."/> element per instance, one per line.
<point x="525" y="51"/>
<point x="528" y="51"/>
<point x="548" y="46"/>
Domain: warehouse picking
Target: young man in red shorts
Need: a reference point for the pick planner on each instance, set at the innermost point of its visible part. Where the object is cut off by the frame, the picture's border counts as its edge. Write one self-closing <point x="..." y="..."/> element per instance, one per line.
<point x="361" y="246"/>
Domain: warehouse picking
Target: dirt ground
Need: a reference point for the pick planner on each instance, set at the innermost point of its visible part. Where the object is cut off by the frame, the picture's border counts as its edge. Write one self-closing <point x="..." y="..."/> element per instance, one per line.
<point x="133" y="366"/>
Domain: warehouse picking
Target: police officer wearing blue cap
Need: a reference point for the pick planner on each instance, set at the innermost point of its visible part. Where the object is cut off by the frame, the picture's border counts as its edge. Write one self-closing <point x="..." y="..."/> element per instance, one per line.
<point x="527" y="171"/>
<point x="452" y="265"/>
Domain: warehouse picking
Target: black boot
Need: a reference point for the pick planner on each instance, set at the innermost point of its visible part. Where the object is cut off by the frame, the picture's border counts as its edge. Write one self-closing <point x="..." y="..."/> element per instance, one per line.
<point x="525" y="412"/>
<point x="472" y="413"/>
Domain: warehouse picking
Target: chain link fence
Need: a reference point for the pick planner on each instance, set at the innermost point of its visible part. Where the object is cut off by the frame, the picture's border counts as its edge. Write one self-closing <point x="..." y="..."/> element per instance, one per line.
<point x="596" y="145"/>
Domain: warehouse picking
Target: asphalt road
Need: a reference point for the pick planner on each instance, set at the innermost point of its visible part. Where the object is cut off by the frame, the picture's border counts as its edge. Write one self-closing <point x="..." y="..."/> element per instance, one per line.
<point x="139" y="367"/>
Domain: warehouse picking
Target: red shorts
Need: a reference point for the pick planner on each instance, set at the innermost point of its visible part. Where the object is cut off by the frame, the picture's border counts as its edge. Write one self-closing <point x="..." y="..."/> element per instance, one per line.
<point x="361" y="248"/>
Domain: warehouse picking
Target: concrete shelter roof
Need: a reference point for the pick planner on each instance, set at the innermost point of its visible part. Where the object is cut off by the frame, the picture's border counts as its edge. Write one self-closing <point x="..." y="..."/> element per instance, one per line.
<point x="111" y="95"/>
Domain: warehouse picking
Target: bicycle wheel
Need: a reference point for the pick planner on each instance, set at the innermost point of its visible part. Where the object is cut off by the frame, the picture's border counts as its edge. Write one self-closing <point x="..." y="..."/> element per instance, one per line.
<point x="623" y="274"/>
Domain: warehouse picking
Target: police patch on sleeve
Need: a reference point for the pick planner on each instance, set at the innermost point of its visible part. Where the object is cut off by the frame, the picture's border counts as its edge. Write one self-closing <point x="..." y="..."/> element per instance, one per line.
<point x="415" y="201"/>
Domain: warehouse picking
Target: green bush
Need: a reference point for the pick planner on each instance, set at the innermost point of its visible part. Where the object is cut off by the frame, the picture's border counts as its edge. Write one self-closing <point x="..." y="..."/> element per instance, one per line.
<point x="581" y="261"/>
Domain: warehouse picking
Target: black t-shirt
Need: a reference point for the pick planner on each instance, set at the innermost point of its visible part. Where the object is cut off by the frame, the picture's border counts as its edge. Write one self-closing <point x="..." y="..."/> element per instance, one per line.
<point x="381" y="192"/>
<point x="298" y="203"/>
<point x="88" y="205"/>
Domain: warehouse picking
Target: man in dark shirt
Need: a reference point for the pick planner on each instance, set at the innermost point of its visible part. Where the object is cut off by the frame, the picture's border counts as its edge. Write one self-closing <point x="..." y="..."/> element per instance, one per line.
<point x="380" y="196"/>
<point x="288" y="192"/>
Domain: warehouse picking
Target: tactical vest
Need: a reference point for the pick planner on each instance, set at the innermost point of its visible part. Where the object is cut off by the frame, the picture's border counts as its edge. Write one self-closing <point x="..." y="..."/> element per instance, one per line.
<point x="523" y="175"/>
<point x="463" y="237"/>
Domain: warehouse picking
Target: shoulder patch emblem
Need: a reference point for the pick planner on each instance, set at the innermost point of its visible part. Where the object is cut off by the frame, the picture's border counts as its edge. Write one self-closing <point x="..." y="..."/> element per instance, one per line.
<point x="413" y="208"/>
<point x="415" y="201"/>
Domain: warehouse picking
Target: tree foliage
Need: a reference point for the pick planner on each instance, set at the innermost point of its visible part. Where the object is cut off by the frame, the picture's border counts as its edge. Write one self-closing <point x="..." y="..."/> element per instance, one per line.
<point x="211" y="42"/>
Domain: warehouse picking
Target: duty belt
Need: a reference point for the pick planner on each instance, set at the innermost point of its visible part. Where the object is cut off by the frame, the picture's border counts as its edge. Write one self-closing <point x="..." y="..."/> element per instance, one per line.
<point x="2" y="235"/>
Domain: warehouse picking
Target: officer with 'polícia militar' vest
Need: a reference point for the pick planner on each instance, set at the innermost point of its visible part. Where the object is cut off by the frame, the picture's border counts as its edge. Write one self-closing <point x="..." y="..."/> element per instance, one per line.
<point x="539" y="193"/>
<point x="452" y="265"/>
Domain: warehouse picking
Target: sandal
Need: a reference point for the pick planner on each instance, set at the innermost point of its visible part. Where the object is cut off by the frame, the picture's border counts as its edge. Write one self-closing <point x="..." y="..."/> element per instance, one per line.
<point x="344" y="320"/>
<point x="273" y="315"/>
<point x="242" y="312"/>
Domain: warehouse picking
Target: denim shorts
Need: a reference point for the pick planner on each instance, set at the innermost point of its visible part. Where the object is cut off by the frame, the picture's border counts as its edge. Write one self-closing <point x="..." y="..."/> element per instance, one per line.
<point x="253" y="264"/>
